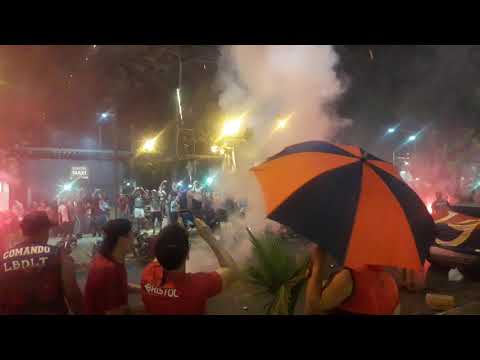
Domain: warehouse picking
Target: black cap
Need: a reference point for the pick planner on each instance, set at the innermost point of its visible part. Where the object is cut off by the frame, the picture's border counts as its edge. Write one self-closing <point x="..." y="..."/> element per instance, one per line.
<point x="35" y="221"/>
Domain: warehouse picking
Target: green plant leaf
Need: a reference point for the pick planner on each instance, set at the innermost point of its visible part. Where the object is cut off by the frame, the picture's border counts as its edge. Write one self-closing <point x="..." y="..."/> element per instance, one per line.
<point x="275" y="273"/>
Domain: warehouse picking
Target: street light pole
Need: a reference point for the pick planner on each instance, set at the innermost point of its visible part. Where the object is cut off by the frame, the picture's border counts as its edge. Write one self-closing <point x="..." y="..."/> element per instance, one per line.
<point x="412" y="137"/>
<point x="100" y="136"/>
<point x="115" y="166"/>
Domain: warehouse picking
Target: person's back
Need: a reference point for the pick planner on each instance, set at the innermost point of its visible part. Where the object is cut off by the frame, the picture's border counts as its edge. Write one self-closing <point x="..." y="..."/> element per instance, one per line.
<point x="167" y="289"/>
<point x="369" y="290"/>
<point x="155" y="202"/>
<point x="101" y="271"/>
<point x="63" y="213"/>
<point x="139" y="202"/>
<point x="30" y="280"/>
<point x="177" y="293"/>
<point x="375" y="292"/>
<point x="36" y="278"/>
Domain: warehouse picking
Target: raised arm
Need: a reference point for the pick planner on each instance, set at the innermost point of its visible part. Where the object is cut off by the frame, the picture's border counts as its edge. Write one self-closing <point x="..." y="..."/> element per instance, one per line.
<point x="228" y="268"/>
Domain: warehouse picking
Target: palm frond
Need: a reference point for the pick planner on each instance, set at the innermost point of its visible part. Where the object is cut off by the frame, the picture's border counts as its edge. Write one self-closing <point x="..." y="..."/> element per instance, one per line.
<point x="274" y="272"/>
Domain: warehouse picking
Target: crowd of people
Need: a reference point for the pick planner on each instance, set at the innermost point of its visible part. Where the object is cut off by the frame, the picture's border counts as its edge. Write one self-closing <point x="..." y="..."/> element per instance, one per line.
<point x="77" y="214"/>
<point x="166" y="288"/>
<point x="158" y="207"/>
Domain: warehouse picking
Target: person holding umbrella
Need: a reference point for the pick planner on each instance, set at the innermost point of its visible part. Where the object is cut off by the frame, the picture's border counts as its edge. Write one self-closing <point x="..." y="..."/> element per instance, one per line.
<point x="366" y="291"/>
<point x="357" y="208"/>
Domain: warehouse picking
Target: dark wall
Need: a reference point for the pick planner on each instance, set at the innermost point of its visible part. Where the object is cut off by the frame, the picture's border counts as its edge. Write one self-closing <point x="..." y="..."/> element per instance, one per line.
<point x="45" y="176"/>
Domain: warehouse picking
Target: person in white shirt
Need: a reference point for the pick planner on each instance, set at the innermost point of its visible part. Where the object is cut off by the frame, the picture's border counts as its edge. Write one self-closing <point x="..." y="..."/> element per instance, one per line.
<point x="64" y="220"/>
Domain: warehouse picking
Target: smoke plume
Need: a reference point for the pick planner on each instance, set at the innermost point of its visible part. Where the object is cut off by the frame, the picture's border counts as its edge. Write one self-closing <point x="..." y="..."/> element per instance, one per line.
<point x="267" y="83"/>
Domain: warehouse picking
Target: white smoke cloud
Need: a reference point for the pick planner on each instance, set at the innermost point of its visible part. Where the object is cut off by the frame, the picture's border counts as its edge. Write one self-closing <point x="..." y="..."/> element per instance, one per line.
<point x="272" y="81"/>
<point x="269" y="82"/>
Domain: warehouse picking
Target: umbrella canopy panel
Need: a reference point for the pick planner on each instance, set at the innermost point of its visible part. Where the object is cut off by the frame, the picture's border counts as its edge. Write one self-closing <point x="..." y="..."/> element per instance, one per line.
<point x="350" y="202"/>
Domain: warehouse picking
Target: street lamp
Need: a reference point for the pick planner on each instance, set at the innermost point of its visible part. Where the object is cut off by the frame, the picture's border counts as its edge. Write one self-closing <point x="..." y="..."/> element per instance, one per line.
<point x="209" y="180"/>
<point x="149" y="145"/>
<point x="412" y="137"/>
<point x="231" y="128"/>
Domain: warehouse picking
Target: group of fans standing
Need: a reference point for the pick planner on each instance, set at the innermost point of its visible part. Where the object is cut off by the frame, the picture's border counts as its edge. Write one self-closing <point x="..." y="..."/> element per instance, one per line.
<point x="39" y="278"/>
<point x="162" y="206"/>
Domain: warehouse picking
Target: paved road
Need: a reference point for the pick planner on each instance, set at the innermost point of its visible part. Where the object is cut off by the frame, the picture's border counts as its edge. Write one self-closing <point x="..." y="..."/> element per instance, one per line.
<point x="239" y="300"/>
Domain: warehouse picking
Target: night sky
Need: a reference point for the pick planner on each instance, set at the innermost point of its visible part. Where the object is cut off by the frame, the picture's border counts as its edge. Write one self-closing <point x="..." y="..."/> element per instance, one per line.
<point x="53" y="95"/>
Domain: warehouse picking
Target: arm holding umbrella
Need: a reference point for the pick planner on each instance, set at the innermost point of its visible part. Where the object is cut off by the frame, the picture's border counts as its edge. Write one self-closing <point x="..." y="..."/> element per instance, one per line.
<point x="320" y="299"/>
<point x="351" y="202"/>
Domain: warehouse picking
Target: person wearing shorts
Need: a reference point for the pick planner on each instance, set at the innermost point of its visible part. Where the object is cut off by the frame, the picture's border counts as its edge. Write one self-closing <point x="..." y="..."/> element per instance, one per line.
<point x="139" y="211"/>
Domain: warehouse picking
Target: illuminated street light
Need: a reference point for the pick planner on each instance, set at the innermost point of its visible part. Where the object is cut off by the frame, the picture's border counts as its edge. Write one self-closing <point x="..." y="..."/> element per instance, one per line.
<point x="391" y="130"/>
<point x="67" y="187"/>
<point x="214" y="149"/>
<point x="149" y="145"/>
<point x="209" y="180"/>
<point x="412" y="138"/>
<point x="104" y="115"/>
<point x="231" y="128"/>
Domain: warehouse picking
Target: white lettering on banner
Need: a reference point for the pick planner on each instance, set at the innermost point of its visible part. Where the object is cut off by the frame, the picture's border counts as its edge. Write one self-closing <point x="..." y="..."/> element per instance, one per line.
<point x="79" y="172"/>
<point x="166" y="292"/>
<point x="27" y="251"/>
<point x="25" y="264"/>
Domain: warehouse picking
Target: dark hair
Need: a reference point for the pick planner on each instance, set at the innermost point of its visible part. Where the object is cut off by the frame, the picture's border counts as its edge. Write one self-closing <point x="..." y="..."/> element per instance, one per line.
<point x="171" y="247"/>
<point x="113" y="230"/>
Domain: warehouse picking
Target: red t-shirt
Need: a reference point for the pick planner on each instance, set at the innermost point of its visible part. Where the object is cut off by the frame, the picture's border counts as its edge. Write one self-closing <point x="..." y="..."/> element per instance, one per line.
<point x="107" y="286"/>
<point x="177" y="293"/>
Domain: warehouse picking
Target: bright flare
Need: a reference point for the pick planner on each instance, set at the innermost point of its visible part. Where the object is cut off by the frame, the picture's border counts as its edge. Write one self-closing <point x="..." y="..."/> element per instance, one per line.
<point x="232" y="127"/>
<point x="67" y="187"/>
<point x="429" y="207"/>
<point x="149" y="145"/>
<point x="282" y="123"/>
<point x="209" y="180"/>
<point x="214" y="149"/>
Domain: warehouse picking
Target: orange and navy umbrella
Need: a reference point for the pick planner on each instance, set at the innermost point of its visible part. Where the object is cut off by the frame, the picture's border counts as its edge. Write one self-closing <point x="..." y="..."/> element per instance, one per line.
<point x="351" y="203"/>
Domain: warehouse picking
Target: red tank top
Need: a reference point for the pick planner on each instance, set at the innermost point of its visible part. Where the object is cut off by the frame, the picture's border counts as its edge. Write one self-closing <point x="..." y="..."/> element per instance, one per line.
<point x="375" y="292"/>
<point x="30" y="280"/>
